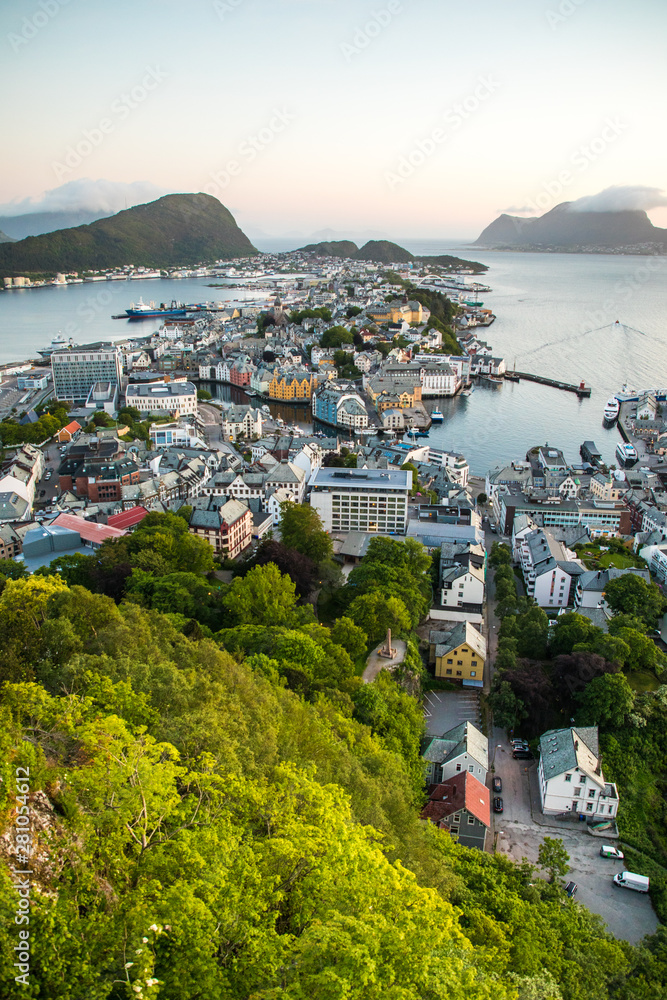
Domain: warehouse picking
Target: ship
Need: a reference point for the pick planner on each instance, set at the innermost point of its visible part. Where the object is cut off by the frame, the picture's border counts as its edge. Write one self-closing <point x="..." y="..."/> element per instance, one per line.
<point x="611" y="410"/>
<point x="144" y="311"/>
<point x="437" y="415"/>
<point x="626" y="454"/>
<point x="57" y="344"/>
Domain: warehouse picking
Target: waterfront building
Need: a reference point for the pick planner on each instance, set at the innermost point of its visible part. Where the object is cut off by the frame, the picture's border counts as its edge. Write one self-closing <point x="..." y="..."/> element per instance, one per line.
<point x="75" y="371"/>
<point x="361" y="499"/>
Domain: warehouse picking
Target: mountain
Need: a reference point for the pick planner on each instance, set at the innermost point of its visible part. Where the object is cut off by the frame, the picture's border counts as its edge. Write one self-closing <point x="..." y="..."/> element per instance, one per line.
<point x="337" y="248"/>
<point x="570" y="230"/>
<point x="383" y="252"/>
<point x="38" y="223"/>
<point x="4" y="238"/>
<point x="176" y="229"/>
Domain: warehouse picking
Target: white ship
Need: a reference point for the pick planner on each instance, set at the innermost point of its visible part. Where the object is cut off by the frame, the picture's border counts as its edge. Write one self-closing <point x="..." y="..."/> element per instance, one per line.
<point x="611" y="410"/>
<point x="626" y="453"/>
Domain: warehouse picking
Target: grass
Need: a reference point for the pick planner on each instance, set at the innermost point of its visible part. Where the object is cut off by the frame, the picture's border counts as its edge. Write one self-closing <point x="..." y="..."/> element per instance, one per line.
<point x="594" y="558"/>
<point x="643" y="680"/>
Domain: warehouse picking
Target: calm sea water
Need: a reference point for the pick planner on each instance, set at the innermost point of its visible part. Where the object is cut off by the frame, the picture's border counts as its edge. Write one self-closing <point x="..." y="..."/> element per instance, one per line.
<point x="556" y="317"/>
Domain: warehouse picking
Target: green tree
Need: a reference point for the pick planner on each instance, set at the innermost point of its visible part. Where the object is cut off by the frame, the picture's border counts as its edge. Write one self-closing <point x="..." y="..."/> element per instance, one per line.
<point x="264" y="596"/>
<point x="553" y="857"/>
<point x="606" y="701"/>
<point x="631" y="595"/>
<point x="375" y="613"/>
<point x="348" y="635"/>
<point x="335" y="336"/>
<point x="572" y="629"/>
<point x="508" y="710"/>
<point x="482" y="499"/>
<point x="301" y="529"/>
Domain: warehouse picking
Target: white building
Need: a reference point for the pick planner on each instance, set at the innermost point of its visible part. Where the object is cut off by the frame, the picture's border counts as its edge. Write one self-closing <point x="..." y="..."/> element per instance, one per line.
<point x="570" y="775"/>
<point x="241" y="420"/>
<point x="549" y="569"/>
<point x="180" y="434"/>
<point x="439" y="380"/>
<point x="371" y="500"/>
<point x="175" y="398"/>
<point x="462" y="582"/>
<point x="656" y="557"/>
<point x="76" y="370"/>
<point x="462" y="748"/>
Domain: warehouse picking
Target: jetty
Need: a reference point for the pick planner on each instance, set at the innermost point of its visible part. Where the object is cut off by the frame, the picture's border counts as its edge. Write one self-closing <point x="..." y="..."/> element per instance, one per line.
<point x="582" y="390"/>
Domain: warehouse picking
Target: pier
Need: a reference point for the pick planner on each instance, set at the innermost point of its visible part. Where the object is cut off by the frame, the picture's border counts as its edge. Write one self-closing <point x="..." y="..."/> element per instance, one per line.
<point x="582" y="390"/>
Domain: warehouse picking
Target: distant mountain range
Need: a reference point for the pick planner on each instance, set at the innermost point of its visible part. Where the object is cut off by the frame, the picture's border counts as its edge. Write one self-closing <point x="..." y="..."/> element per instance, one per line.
<point x="385" y="252"/>
<point x="566" y="230"/>
<point x="177" y="229"/>
<point x="4" y="238"/>
<point x="38" y="223"/>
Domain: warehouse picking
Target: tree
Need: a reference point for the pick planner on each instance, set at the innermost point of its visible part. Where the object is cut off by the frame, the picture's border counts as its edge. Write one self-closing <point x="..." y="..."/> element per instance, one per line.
<point x="409" y="467"/>
<point x="570" y="630"/>
<point x="301" y="529"/>
<point x="348" y="635"/>
<point x="631" y="595"/>
<point x="606" y="701"/>
<point x="264" y="596"/>
<point x="335" y="336"/>
<point x="482" y="499"/>
<point x="553" y="857"/>
<point x="375" y="613"/>
<point x="508" y="710"/>
<point x="300" y="569"/>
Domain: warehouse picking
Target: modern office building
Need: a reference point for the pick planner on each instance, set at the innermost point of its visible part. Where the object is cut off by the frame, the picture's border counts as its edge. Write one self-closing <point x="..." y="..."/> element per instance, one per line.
<point x="175" y="398"/>
<point x="373" y="500"/>
<point x="75" y="371"/>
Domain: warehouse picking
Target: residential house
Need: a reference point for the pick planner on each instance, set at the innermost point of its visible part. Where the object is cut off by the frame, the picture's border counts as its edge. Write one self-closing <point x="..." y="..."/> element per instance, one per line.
<point x="463" y="748"/>
<point x="239" y="420"/>
<point x="461" y="583"/>
<point x="227" y="526"/>
<point x="461" y="805"/>
<point x="459" y="653"/>
<point x="570" y="775"/>
<point x="68" y="432"/>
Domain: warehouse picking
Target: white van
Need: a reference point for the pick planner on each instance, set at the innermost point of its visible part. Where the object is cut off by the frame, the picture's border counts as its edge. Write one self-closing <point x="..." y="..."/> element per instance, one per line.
<point x="639" y="883"/>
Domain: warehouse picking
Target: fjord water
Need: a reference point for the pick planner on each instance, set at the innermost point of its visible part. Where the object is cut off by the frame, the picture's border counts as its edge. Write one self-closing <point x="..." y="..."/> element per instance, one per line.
<point x="549" y="307"/>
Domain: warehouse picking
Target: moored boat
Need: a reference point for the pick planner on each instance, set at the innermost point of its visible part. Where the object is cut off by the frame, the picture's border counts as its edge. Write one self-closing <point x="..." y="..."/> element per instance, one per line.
<point x="437" y="415"/>
<point x="626" y="453"/>
<point x="612" y="410"/>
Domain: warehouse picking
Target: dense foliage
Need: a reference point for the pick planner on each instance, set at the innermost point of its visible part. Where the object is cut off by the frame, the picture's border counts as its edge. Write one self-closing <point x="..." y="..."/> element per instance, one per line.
<point x="208" y="825"/>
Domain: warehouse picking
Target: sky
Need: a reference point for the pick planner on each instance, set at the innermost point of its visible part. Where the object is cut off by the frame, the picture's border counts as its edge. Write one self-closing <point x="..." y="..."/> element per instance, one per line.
<point x="406" y="117"/>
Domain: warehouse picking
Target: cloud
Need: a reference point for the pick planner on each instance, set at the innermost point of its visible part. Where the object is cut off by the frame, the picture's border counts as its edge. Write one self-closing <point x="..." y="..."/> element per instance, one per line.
<point x="517" y="210"/>
<point x="621" y="199"/>
<point x="105" y="197"/>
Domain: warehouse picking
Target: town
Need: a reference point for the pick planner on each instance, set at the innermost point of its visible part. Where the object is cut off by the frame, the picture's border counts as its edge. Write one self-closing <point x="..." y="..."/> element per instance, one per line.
<point x="98" y="436"/>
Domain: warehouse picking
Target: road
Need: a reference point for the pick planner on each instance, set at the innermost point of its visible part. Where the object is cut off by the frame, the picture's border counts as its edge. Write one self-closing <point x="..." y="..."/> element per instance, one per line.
<point x="212" y="420"/>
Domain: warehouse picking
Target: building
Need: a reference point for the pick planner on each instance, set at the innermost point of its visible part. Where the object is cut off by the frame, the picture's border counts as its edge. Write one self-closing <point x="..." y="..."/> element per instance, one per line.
<point x="340" y="404"/>
<point x="549" y="569"/>
<point x="591" y="585"/>
<point x="361" y="499"/>
<point x="36" y="381"/>
<point x="599" y="517"/>
<point x="103" y="396"/>
<point x="458" y="654"/>
<point x="68" y="432"/>
<point x="461" y="805"/>
<point x="291" y="384"/>
<point x="656" y="557"/>
<point x="226" y="525"/>
<point x="175" y="398"/>
<point x="462" y="583"/>
<point x="237" y="420"/>
<point x="570" y="775"/>
<point x="463" y="748"/>
<point x="76" y="370"/>
<point x="179" y="434"/>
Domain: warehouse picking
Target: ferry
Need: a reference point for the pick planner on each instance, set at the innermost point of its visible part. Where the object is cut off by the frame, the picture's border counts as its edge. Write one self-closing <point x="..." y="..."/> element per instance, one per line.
<point x="611" y="410"/>
<point x="437" y="415"/>
<point x="144" y="311"/>
<point x="57" y="344"/>
<point x="626" y="453"/>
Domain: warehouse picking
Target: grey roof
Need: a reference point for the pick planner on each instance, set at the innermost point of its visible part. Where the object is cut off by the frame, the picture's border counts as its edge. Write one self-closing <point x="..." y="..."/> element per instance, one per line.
<point x="558" y="751"/>
<point x="464" y="738"/>
<point x="364" y="479"/>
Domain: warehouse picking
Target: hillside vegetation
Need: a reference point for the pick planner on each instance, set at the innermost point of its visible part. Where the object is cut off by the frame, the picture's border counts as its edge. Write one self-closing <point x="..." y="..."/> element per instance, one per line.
<point x="176" y="229"/>
<point x="220" y="808"/>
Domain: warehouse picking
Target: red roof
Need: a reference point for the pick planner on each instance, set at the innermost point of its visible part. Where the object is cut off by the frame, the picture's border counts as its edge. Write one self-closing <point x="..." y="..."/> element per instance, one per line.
<point x="72" y="427"/>
<point x="89" y="530"/>
<point x="463" y="791"/>
<point x="128" y="518"/>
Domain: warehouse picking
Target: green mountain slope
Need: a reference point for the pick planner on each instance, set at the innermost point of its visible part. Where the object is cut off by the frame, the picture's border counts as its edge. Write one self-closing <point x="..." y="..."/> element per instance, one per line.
<point x="334" y="248"/>
<point x="384" y="252"/>
<point x="176" y="229"/>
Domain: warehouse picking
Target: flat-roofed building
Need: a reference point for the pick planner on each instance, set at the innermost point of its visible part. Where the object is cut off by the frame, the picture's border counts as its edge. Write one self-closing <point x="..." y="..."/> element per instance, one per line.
<point x="76" y="370"/>
<point x="372" y="500"/>
<point x="175" y="398"/>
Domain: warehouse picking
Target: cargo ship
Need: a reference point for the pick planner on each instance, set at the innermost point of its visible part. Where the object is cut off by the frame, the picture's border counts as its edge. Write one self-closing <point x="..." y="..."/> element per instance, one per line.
<point x="143" y="311"/>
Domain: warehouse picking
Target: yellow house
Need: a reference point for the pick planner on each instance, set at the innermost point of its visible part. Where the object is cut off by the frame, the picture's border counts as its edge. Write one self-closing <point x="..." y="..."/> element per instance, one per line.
<point x="295" y="385"/>
<point x="411" y="312"/>
<point x="459" y="654"/>
<point x="386" y="391"/>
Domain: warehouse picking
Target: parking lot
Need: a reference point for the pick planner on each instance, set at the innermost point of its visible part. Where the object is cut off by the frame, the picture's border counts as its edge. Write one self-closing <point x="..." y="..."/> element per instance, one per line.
<point x="628" y="915"/>
<point x="445" y="709"/>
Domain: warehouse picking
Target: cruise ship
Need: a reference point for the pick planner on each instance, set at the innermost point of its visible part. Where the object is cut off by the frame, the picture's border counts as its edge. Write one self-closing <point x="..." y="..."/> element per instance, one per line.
<point x="611" y="410"/>
<point x="58" y="343"/>
<point x="626" y="453"/>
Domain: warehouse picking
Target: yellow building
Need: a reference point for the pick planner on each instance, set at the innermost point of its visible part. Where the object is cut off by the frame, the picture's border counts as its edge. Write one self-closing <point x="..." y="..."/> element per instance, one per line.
<point x="459" y="654"/>
<point x="386" y="391"/>
<point x="291" y="384"/>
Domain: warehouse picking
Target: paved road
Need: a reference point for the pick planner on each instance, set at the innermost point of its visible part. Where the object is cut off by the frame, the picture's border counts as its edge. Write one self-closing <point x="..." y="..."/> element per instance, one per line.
<point x="211" y="418"/>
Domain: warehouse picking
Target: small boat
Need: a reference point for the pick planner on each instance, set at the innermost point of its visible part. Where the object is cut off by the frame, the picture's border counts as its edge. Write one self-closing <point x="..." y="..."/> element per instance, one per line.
<point x="626" y="453"/>
<point x="612" y="410"/>
<point x="437" y="416"/>
<point x="468" y="392"/>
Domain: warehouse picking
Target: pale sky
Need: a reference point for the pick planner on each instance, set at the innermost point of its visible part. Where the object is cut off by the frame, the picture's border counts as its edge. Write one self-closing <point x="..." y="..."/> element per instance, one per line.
<point x="412" y="117"/>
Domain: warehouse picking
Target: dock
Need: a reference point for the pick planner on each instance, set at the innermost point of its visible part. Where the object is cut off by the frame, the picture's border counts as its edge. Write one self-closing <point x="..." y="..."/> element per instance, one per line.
<point x="582" y="390"/>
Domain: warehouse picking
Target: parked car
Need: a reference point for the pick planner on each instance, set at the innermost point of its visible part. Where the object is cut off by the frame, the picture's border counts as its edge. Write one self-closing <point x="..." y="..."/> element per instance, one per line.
<point x="497" y="784"/>
<point x="607" y="851"/>
<point x="48" y="474"/>
<point x="522" y="755"/>
<point x="519" y="744"/>
<point x="497" y="805"/>
<point x="571" y="889"/>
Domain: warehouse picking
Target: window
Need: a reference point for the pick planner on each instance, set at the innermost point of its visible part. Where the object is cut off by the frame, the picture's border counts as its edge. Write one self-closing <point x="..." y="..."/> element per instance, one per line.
<point x="458" y="673"/>
<point x="458" y="767"/>
<point x="449" y="670"/>
<point x="589" y="807"/>
<point x="457" y="817"/>
<point x="473" y="663"/>
<point x="450" y="661"/>
<point x="473" y="673"/>
<point x="568" y="777"/>
<point x="582" y="779"/>
<point x="459" y="663"/>
<point x="471" y="768"/>
<point x="577" y="791"/>
<point x="471" y="820"/>
<point x="591" y="794"/>
<point x="611" y="809"/>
